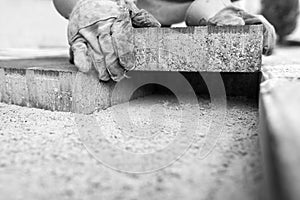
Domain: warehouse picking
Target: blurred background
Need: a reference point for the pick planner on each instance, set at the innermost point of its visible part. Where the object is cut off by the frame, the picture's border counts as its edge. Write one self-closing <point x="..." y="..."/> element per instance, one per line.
<point x="31" y="24"/>
<point x="31" y="28"/>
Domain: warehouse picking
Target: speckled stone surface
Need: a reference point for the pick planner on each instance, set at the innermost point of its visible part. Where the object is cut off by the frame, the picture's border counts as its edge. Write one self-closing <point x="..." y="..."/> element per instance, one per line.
<point x="54" y="84"/>
<point x="205" y="49"/>
<point x="47" y="89"/>
<point x="56" y="89"/>
<point x="42" y="156"/>
<point x="63" y="90"/>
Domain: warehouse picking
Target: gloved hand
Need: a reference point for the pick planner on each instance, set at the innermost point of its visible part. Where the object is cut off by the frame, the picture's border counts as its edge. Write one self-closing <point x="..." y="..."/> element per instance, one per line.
<point x="236" y="16"/>
<point x="222" y="13"/>
<point x="100" y="35"/>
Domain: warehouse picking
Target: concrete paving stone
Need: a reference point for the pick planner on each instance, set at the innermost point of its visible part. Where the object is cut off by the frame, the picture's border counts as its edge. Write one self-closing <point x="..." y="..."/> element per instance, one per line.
<point x="280" y="139"/>
<point x="54" y="84"/>
<point x="205" y="49"/>
<point x="279" y="119"/>
<point x="285" y="63"/>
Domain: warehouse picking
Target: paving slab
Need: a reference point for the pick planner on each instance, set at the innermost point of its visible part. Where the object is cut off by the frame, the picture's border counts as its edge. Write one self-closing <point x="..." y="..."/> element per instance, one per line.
<point x="283" y="64"/>
<point x="279" y="119"/>
<point x="53" y="83"/>
<point x="206" y="48"/>
<point x="280" y="136"/>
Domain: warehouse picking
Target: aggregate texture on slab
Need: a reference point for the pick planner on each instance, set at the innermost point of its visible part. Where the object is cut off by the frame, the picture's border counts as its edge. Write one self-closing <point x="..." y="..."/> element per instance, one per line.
<point x="68" y="91"/>
<point x="55" y="88"/>
<point x="206" y="49"/>
<point x="55" y="84"/>
<point x="40" y="82"/>
<point x="43" y="155"/>
<point x="202" y="48"/>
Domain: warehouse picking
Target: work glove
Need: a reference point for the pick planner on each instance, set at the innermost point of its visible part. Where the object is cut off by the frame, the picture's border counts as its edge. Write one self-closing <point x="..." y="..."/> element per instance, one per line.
<point x="223" y="13"/>
<point x="100" y="36"/>
<point x="235" y="16"/>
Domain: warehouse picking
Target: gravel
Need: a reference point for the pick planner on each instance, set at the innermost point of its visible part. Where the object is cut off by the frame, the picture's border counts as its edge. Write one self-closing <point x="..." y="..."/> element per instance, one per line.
<point x="43" y="154"/>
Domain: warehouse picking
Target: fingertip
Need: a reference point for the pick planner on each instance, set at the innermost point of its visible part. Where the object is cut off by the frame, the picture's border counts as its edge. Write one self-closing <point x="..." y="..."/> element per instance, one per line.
<point x="104" y="77"/>
<point x="267" y="51"/>
<point x="82" y="64"/>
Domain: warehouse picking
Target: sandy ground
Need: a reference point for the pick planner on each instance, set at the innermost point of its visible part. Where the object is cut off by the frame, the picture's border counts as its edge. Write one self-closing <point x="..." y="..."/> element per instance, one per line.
<point x="42" y="155"/>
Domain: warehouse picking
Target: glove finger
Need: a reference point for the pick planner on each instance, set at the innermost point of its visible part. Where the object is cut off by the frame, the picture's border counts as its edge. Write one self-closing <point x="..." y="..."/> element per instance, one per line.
<point x="249" y="18"/>
<point x="269" y="31"/>
<point x="80" y="56"/>
<point x="227" y="19"/>
<point x="110" y="57"/>
<point x="116" y="71"/>
<point x="270" y="36"/>
<point x="144" y="19"/>
<point x="90" y="33"/>
<point x="130" y="4"/>
<point x="95" y="53"/>
<point x="99" y="64"/>
<point x="252" y="21"/>
<point x="140" y="17"/>
<point x="234" y="21"/>
<point x="123" y="42"/>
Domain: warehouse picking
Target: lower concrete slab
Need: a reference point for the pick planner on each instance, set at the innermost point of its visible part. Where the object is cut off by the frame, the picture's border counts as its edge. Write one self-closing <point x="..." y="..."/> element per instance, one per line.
<point x="47" y="89"/>
<point x="53" y="83"/>
<point x="64" y="89"/>
<point x="59" y="89"/>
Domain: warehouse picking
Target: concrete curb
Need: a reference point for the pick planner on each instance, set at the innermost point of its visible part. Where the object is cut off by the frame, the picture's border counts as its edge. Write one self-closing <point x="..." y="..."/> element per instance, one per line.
<point x="279" y="129"/>
<point x="58" y="90"/>
<point x="279" y="132"/>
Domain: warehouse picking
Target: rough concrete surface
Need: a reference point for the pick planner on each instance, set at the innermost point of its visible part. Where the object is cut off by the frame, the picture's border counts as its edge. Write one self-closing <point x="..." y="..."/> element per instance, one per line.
<point x="279" y="117"/>
<point x="204" y="48"/>
<point x="53" y="83"/>
<point x="42" y="156"/>
<point x="280" y="138"/>
<point x="283" y="64"/>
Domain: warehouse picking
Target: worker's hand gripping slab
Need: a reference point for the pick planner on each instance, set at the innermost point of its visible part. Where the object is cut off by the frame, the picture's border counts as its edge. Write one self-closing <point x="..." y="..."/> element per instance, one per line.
<point x="100" y="36"/>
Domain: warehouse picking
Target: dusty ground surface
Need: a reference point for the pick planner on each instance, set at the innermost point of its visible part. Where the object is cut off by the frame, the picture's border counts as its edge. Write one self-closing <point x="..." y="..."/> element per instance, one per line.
<point x="42" y="155"/>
